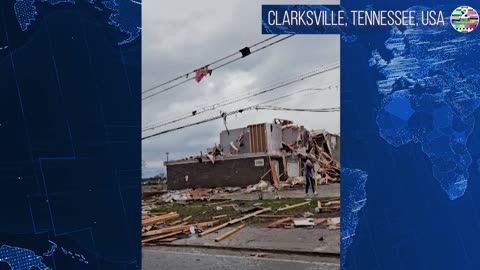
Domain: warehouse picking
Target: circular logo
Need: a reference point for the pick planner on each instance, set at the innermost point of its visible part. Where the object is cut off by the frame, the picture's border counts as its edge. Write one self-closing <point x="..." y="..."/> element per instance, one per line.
<point x="464" y="19"/>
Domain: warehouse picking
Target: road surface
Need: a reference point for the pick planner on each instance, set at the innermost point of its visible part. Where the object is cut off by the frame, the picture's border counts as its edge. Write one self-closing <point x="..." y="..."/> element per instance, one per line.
<point x="160" y="259"/>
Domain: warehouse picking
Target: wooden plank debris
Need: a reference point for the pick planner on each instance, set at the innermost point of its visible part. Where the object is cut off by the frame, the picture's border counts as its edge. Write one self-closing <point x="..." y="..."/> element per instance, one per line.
<point x="279" y="222"/>
<point x="273" y="216"/>
<point x="168" y="239"/>
<point x="234" y="221"/>
<point x="158" y="219"/>
<point x="330" y="203"/>
<point x="292" y="206"/>
<point x="158" y="237"/>
<point x="220" y="216"/>
<point x="329" y="209"/>
<point x="276" y="181"/>
<point x="175" y="222"/>
<point x="229" y="233"/>
<point x="159" y="213"/>
<point x="179" y="228"/>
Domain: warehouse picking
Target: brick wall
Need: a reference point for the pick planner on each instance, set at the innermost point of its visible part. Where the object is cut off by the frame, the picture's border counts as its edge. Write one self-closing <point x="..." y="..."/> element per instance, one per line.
<point x="224" y="173"/>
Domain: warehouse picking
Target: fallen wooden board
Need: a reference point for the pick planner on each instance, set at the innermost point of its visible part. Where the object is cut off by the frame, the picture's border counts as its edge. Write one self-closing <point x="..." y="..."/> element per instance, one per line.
<point x="273" y="216"/>
<point x="332" y="203"/>
<point x="276" y="181"/>
<point x="175" y="222"/>
<point x="227" y="234"/>
<point x="219" y="217"/>
<point x="329" y="209"/>
<point x="168" y="239"/>
<point x="279" y="222"/>
<point x="234" y="221"/>
<point x="155" y="238"/>
<point x="155" y="220"/>
<point x="187" y="218"/>
<point x="292" y="206"/>
<point x="159" y="213"/>
<point x="157" y="217"/>
<point x="179" y="228"/>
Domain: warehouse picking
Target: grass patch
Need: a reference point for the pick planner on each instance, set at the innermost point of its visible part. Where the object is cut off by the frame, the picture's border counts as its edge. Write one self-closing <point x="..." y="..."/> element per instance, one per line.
<point x="205" y="211"/>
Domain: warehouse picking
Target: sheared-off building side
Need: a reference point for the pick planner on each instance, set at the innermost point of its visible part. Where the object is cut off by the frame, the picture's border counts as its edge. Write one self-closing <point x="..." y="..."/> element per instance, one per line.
<point x="266" y="151"/>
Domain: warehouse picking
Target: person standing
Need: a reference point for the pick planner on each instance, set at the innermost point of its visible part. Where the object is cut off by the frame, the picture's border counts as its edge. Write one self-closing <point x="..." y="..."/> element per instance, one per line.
<point x="305" y="137"/>
<point x="308" y="174"/>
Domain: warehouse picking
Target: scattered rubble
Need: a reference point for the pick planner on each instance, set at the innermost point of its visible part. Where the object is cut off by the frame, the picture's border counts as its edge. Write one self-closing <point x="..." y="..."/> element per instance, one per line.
<point x="176" y="195"/>
<point x="307" y="214"/>
<point x="260" y="186"/>
<point x="288" y="207"/>
<point x="279" y="222"/>
<point x="303" y="222"/>
<point x="333" y="223"/>
<point x="169" y="227"/>
<point x="220" y="238"/>
<point x="281" y="153"/>
<point x="295" y="181"/>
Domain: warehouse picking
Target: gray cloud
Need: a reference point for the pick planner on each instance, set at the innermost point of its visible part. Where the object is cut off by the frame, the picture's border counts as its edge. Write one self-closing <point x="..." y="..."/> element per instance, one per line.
<point x="180" y="37"/>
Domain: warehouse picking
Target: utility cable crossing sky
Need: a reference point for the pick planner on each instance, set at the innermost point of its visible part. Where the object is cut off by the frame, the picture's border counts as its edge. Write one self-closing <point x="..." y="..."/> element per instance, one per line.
<point x="248" y="51"/>
<point x="230" y="101"/>
<point x="224" y="115"/>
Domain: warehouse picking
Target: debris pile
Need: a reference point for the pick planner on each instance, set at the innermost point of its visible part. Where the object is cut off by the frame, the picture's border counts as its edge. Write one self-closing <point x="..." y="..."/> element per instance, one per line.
<point x="317" y="145"/>
<point x="308" y="219"/>
<point x="176" y="195"/>
<point x="296" y="180"/>
<point x="262" y="186"/>
<point x="169" y="227"/>
<point x="156" y="228"/>
<point x="212" y="154"/>
<point x="277" y="156"/>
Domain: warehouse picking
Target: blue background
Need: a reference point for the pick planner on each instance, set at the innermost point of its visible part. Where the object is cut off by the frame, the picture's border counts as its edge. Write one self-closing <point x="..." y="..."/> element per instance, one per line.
<point x="411" y="216"/>
<point x="70" y="116"/>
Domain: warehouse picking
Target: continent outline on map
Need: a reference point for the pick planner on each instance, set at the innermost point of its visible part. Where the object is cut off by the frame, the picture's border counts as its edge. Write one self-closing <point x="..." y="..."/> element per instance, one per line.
<point x="429" y="99"/>
<point x="21" y="259"/>
<point x="123" y="14"/>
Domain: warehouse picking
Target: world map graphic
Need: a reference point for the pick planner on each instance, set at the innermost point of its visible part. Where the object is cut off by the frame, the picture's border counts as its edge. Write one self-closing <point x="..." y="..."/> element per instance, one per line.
<point x="37" y="41"/>
<point x="429" y="97"/>
<point x="124" y="14"/>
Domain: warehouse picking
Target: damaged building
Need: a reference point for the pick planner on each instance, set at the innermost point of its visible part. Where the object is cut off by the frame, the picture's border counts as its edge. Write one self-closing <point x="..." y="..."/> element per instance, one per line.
<point x="266" y="151"/>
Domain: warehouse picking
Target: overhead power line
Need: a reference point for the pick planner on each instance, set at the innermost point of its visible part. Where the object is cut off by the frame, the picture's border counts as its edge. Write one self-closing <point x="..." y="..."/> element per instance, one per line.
<point x="212" y="69"/>
<point x="237" y="112"/>
<point x="254" y="107"/>
<point x="274" y="108"/>
<point x="223" y="102"/>
<point x="212" y="63"/>
<point x="250" y="95"/>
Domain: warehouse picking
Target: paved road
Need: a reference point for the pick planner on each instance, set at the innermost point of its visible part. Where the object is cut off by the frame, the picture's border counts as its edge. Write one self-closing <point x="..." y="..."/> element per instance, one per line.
<point x="179" y="260"/>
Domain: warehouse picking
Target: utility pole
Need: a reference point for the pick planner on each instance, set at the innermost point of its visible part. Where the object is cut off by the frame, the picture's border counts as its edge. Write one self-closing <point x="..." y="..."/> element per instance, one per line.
<point x="167" y="155"/>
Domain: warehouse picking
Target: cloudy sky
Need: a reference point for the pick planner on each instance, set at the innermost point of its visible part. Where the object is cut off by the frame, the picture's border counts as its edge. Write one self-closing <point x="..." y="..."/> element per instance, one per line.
<point x="180" y="37"/>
